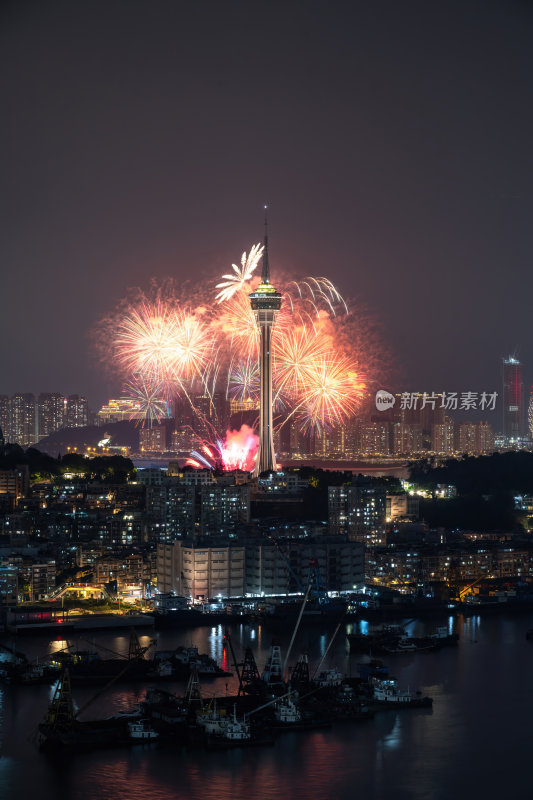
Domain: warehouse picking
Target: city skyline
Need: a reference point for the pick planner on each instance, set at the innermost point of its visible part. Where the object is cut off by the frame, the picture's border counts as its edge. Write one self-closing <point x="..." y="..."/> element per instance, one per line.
<point x="122" y="190"/>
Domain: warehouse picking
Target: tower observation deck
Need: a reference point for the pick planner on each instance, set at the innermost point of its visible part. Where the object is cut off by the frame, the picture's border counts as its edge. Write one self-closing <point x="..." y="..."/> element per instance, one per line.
<point x="265" y="302"/>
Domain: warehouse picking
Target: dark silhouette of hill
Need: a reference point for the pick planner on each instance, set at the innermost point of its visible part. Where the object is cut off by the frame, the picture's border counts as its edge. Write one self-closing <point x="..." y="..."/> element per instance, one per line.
<point x="486" y="486"/>
<point x="122" y="434"/>
<point x="482" y="475"/>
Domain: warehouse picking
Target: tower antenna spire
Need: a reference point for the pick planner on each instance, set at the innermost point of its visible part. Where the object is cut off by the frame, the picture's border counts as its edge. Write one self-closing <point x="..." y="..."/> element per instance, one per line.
<point x="266" y="272"/>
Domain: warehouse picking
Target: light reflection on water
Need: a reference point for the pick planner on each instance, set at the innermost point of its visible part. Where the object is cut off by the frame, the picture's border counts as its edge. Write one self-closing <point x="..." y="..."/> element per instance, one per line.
<point x="479" y="688"/>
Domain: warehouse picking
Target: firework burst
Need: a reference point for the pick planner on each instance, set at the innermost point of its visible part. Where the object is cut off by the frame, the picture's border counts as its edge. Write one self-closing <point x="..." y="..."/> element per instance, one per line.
<point x="332" y="393"/>
<point x="238" y="451"/>
<point x="295" y="355"/>
<point x="194" y="342"/>
<point x="241" y="275"/>
<point x="145" y="341"/>
<point x="150" y="400"/>
<point x="243" y="380"/>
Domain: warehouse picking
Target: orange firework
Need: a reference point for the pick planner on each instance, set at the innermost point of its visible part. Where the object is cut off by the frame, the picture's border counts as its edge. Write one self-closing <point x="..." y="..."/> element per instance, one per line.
<point x="295" y="356"/>
<point x="236" y="323"/>
<point x="333" y="391"/>
<point x="326" y="357"/>
<point x="162" y="342"/>
<point x="194" y="346"/>
<point x="145" y="341"/>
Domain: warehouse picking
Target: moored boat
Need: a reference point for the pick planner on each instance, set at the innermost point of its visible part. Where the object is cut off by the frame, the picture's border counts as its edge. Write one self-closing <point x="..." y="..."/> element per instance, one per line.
<point x="329" y="677"/>
<point x="387" y="693"/>
<point x="142" y="731"/>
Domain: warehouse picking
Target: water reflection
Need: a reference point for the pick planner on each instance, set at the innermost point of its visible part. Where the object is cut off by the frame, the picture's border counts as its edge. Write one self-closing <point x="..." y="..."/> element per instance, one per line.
<point x="216" y="642"/>
<point x="392" y="741"/>
<point x="399" y="755"/>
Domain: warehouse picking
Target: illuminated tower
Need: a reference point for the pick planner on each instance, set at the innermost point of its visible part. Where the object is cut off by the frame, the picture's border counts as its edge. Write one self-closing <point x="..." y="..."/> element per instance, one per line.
<point x="530" y="414"/>
<point x="513" y="398"/>
<point x="266" y="303"/>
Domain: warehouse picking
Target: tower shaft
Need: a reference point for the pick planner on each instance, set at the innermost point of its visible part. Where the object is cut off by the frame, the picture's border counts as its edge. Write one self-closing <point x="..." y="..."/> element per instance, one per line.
<point x="266" y="458"/>
<point x="266" y="303"/>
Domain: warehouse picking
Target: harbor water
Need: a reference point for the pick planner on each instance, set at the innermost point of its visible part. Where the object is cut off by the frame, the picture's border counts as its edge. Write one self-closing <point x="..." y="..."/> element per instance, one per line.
<point x="476" y="741"/>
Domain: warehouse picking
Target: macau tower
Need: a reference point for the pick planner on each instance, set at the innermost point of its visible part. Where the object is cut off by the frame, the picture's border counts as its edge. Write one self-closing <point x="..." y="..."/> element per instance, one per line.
<point x="265" y="302"/>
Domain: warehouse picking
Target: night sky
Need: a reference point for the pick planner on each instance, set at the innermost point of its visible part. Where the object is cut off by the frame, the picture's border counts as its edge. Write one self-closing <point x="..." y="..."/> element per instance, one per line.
<point x="392" y="140"/>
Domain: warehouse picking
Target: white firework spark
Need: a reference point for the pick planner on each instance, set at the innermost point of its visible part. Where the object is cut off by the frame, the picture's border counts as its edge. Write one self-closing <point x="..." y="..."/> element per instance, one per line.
<point x="234" y="282"/>
<point x="150" y="397"/>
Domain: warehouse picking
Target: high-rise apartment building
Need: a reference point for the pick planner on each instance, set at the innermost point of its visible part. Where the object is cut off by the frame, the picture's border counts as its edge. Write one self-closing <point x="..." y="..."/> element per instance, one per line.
<point x="4" y="416"/>
<point x="358" y="511"/>
<point x="530" y="414"/>
<point x="373" y="439"/>
<point x="77" y="411"/>
<point x="475" y="438"/>
<point x="484" y="438"/>
<point x="51" y="413"/>
<point x="183" y="440"/>
<point x="513" y="398"/>
<point x="407" y="438"/>
<point x="22" y="419"/>
<point x="442" y="436"/>
<point x="153" y="439"/>
<point x="223" y="507"/>
<point x="467" y="438"/>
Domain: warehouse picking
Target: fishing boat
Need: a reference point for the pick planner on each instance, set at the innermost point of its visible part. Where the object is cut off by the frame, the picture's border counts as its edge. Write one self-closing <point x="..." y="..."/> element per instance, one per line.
<point x="346" y="705"/>
<point x="29" y="674"/>
<point x="62" y="731"/>
<point x="231" y="732"/>
<point x="141" y="730"/>
<point x="387" y="693"/>
<point x="287" y="712"/>
<point x="211" y="719"/>
<point x="329" y="677"/>
<point x="168" y="711"/>
<point x="183" y="659"/>
<point x="407" y="645"/>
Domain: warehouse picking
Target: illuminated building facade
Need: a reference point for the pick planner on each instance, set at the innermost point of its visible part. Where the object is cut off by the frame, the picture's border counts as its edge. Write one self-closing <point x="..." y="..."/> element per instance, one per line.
<point x="232" y="569"/>
<point x="223" y="507"/>
<point x="265" y="302"/>
<point x="407" y="438"/>
<point x="4" y="415"/>
<point x="358" y="511"/>
<point x="119" y="409"/>
<point x="8" y="585"/>
<point x="22" y="419"/>
<point x="402" y="506"/>
<point x="51" y="413"/>
<point x="442" y="436"/>
<point x="153" y="439"/>
<point x="467" y="438"/>
<point x="475" y="438"/>
<point x="484" y="438"/>
<point x="77" y="411"/>
<point x="513" y="398"/>
<point x="373" y="439"/>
